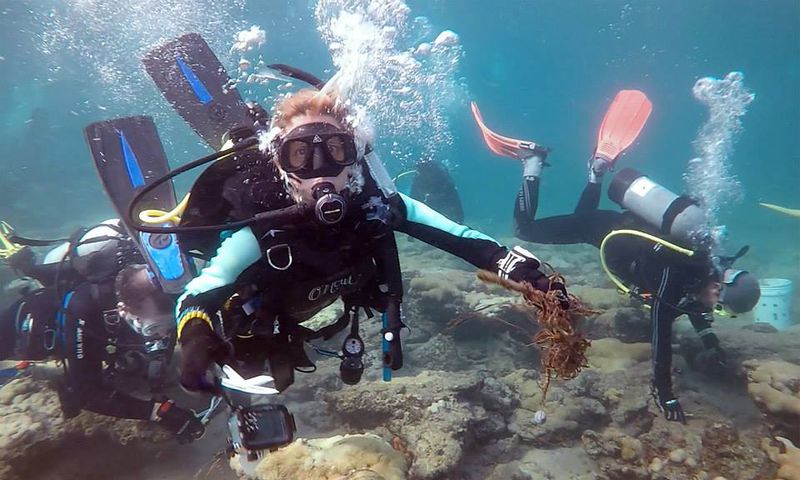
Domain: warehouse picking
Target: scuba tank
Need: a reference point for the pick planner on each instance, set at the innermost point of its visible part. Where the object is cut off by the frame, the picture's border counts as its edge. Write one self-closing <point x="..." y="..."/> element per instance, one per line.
<point x="677" y="216"/>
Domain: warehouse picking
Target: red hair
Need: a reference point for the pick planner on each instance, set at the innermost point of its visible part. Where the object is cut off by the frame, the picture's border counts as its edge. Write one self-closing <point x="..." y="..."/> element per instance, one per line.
<point x="309" y="102"/>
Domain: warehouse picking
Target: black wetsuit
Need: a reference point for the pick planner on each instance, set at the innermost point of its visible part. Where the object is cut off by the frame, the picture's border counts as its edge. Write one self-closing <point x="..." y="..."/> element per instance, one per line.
<point x="671" y="278"/>
<point x="77" y="326"/>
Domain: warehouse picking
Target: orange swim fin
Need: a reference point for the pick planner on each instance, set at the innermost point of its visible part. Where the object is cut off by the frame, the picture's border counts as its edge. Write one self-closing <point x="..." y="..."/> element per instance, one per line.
<point x="506" y="146"/>
<point x="624" y="120"/>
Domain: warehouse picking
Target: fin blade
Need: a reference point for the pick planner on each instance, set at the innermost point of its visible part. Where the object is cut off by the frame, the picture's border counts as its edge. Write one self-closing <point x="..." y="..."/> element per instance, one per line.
<point x="792" y="212"/>
<point x="622" y="123"/>
<point x="498" y="144"/>
<point x="128" y="154"/>
<point x="194" y="82"/>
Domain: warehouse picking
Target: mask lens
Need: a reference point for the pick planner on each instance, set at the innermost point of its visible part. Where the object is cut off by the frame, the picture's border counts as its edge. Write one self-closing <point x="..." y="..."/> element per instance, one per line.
<point x="336" y="149"/>
<point x="296" y="154"/>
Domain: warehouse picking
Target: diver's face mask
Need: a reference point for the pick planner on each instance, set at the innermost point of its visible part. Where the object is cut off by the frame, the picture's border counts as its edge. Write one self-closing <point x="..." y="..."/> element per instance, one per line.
<point x="320" y="163"/>
<point x="317" y="150"/>
<point x="740" y="292"/>
<point x="142" y="304"/>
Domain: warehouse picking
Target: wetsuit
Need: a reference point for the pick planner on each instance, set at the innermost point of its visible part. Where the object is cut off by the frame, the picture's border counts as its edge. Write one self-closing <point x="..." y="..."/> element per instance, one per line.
<point x="75" y="321"/>
<point x="671" y="278"/>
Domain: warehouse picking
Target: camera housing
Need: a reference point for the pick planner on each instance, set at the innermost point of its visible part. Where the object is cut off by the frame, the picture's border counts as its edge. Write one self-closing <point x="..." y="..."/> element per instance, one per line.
<point x="260" y="427"/>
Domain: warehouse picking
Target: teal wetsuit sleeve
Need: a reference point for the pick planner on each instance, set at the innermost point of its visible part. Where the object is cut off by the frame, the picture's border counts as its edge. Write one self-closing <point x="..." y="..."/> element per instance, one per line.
<point x="234" y="256"/>
<point x="426" y="224"/>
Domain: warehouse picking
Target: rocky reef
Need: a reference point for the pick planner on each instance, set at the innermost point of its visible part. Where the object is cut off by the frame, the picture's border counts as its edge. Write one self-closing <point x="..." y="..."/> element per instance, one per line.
<point x="33" y="429"/>
<point x="468" y="405"/>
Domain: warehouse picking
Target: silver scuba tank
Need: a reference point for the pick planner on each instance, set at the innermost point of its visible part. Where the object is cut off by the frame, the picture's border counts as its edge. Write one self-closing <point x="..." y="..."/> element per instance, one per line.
<point x="677" y="216"/>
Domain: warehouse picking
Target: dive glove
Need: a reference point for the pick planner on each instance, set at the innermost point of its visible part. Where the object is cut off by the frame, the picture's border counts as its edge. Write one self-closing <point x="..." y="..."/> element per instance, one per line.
<point x="520" y="265"/>
<point x="200" y="347"/>
<point x="669" y="406"/>
<point x="183" y="423"/>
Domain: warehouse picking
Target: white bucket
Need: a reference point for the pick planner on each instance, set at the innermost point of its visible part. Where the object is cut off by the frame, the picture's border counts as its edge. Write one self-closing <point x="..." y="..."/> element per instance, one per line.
<point x="774" y="306"/>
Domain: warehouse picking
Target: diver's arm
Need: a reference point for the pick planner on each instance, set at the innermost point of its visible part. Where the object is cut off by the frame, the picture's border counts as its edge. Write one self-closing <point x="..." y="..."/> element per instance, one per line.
<point x="88" y="392"/>
<point x="205" y="294"/>
<point x="662" y="316"/>
<point x="702" y="325"/>
<point x="482" y="251"/>
<point x="662" y="348"/>
<point x="199" y="303"/>
<point x="426" y="224"/>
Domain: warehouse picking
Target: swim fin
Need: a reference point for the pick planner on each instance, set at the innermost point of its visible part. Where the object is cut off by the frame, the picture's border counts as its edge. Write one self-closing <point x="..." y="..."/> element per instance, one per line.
<point x="506" y="146"/>
<point x="128" y="154"/>
<point x="623" y="121"/>
<point x="7" y="246"/>
<point x="792" y="212"/>
<point x="194" y="82"/>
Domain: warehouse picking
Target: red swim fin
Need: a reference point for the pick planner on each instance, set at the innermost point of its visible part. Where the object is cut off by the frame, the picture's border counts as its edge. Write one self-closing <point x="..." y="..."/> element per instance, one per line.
<point x="624" y="119"/>
<point x="504" y="146"/>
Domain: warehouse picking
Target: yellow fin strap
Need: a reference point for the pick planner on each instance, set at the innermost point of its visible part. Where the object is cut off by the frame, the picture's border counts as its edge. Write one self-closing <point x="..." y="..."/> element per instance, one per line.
<point x="191" y="315"/>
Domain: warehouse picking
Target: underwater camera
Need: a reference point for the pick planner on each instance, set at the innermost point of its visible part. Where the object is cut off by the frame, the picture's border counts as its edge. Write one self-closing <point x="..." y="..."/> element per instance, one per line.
<point x="254" y="429"/>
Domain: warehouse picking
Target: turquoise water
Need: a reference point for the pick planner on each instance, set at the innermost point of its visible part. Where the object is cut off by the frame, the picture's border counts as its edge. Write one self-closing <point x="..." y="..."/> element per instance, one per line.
<point x="540" y="70"/>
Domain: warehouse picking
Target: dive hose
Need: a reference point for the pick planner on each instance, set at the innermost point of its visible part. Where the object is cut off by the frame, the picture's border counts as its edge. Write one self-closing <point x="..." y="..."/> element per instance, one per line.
<point x="624" y="289"/>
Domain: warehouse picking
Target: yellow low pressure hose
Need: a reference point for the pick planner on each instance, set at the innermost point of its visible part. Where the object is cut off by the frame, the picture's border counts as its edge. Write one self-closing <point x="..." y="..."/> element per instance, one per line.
<point x="621" y="286"/>
<point x="159" y="217"/>
<point x="154" y="216"/>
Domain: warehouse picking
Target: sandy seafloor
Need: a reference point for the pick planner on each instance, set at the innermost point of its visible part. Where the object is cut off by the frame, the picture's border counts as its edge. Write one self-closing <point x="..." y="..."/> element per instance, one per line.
<point x="462" y="408"/>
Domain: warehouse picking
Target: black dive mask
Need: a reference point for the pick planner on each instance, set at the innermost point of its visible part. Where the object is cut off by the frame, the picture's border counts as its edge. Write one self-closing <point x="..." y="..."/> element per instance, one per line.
<point x="316" y="150"/>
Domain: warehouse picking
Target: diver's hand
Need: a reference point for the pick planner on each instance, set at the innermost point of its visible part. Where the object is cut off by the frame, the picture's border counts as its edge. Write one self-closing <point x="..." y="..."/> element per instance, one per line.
<point x="200" y="347"/>
<point x="183" y="423"/>
<point x="669" y="406"/>
<point x="521" y="265"/>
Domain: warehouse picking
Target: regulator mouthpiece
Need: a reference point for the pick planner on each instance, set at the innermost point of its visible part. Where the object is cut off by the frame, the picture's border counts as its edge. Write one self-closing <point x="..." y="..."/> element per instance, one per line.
<point x="330" y="206"/>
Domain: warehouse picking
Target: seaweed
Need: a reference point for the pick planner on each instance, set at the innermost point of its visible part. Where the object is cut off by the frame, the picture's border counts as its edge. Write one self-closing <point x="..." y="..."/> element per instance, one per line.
<point x="551" y="326"/>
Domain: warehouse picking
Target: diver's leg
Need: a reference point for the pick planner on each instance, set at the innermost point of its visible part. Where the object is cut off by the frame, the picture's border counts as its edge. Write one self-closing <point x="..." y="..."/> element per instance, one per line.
<point x="590" y="199"/>
<point x="527" y="201"/>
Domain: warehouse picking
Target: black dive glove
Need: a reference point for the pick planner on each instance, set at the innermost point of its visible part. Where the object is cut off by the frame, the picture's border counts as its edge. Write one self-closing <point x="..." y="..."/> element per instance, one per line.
<point x="521" y="265"/>
<point x="183" y="423"/>
<point x="669" y="405"/>
<point x="200" y="347"/>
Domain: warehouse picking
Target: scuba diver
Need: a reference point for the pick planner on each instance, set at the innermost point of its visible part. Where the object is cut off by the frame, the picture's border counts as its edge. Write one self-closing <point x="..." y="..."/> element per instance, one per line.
<point x="295" y="212"/>
<point x="92" y="304"/>
<point x="645" y="245"/>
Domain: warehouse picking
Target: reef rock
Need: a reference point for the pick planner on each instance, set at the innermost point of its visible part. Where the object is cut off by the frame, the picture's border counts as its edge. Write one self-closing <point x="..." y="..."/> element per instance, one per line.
<point x="32" y="422"/>
<point x="433" y="418"/>
<point x="571" y="408"/>
<point x="775" y="387"/>
<point x="609" y="354"/>
<point x="343" y="457"/>
<point x="789" y="461"/>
